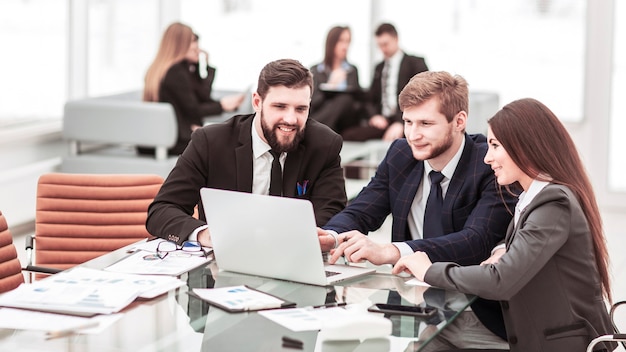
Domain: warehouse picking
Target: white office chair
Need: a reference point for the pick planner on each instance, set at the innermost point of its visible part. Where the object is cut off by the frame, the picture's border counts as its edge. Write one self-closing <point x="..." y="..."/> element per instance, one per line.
<point x="617" y="337"/>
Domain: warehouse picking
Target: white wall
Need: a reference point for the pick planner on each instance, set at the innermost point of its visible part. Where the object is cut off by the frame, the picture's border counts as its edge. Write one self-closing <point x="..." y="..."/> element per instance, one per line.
<point x="24" y="156"/>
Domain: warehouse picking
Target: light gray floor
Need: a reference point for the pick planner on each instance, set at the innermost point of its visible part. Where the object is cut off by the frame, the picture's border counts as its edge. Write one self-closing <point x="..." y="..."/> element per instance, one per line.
<point x="615" y="227"/>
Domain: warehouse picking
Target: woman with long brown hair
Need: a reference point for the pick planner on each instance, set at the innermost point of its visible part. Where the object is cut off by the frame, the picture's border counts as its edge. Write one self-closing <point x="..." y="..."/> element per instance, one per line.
<point x="337" y="89"/>
<point x="552" y="277"/>
<point x="174" y="77"/>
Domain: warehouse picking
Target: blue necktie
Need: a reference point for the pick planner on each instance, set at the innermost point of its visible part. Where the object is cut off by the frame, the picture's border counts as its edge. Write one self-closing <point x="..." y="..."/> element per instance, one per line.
<point x="434" y="204"/>
<point x="276" y="179"/>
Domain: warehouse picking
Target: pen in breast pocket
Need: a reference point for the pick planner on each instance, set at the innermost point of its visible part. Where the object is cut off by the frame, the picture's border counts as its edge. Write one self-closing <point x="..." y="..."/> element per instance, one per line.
<point x="302" y="187"/>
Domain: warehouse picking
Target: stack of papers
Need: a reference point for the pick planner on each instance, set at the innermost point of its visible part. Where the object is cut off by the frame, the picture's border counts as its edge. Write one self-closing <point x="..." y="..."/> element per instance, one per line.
<point x="145" y="261"/>
<point x="86" y="292"/>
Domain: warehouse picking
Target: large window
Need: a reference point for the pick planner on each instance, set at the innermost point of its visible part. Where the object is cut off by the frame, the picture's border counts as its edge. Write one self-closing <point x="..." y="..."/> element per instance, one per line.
<point x="515" y="48"/>
<point x="242" y="36"/>
<point x="617" y="160"/>
<point x="508" y="47"/>
<point x="123" y="37"/>
<point x="34" y="60"/>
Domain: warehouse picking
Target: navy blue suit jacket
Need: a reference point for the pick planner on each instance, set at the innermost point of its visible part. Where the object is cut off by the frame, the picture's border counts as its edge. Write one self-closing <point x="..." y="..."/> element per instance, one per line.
<point x="474" y="215"/>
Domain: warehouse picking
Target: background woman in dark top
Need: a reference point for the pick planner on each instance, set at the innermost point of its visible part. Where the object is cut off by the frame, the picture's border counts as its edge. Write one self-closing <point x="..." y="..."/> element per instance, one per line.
<point x="174" y="77"/>
<point x="337" y="89"/>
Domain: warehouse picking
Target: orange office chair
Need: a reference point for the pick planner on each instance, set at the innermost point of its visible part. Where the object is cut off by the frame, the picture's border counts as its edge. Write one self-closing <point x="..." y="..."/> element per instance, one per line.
<point x="82" y="216"/>
<point x="10" y="268"/>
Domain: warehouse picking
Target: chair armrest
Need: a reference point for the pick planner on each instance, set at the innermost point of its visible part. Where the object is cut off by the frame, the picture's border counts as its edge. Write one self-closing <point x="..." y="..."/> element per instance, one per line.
<point x="34" y="269"/>
<point x="29" y="246"/>
<point x="606" y="338"/>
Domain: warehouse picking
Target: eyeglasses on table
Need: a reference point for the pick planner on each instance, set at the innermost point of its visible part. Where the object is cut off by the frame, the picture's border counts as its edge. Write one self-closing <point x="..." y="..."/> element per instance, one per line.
<point x="187" y="248"/>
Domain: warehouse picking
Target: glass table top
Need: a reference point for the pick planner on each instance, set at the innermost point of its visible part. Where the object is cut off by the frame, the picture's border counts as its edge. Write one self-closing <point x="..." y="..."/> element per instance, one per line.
<point x="177" y="321"/>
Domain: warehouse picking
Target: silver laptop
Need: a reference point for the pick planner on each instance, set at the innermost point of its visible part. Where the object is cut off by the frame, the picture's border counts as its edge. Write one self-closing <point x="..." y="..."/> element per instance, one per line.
<point x="269" y="236"/>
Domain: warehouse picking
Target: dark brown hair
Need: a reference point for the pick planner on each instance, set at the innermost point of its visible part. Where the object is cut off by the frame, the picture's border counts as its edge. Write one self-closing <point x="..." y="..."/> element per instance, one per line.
<point x="331" y="42"/>
<point x="285" y="72"/>
<point x="541" y="147"/>
<point x="386" y="28"/>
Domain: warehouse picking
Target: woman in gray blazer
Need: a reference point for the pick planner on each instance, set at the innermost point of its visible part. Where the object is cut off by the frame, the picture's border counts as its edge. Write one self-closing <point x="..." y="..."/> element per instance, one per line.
<point x="551" y="277"/>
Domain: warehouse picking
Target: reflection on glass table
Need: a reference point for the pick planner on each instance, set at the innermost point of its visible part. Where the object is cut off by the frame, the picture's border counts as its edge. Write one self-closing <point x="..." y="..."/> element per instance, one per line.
<point x="177" y="321"/>
<point x="252" y="332"/>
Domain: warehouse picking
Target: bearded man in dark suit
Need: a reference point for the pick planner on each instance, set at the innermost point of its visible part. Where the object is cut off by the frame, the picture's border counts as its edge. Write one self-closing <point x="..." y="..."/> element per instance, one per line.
<point x="238" y="155"/>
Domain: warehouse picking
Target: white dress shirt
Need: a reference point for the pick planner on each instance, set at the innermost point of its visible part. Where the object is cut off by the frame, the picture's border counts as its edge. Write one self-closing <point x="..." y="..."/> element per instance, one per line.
<point x="416" y="214"/>
<point x="262" y="162"/>
<point x="527" y="196"/>
<point x="522" y="202"/>
<point x="261" y="169"/>
<point x="391" y="91"/>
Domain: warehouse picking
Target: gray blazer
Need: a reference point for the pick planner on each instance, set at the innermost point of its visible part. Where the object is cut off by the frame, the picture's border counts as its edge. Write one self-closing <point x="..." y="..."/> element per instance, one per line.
<point x="546" y="282"/>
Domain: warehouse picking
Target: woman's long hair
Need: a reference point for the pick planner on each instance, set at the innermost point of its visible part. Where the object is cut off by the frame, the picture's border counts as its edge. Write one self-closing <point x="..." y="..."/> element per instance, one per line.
<point x="542" y="148"/>
<point x="331" y="42"/>
<point x="174" y="46"/>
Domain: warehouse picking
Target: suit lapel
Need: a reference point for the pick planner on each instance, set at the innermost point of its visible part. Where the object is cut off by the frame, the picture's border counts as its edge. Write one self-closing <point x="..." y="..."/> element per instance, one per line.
<point x="402" y="73"/>
<point x="405" y="199"/>
<point x="509" y="234"/>
<point x="456" y="183"/>
<point x="243" y="154"/>
<point x="512" y="229"/>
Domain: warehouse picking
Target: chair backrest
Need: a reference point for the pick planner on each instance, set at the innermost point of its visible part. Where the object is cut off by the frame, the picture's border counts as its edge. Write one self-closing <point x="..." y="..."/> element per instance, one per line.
<point x="10" y="268"/>
<point x="82" y="216"/>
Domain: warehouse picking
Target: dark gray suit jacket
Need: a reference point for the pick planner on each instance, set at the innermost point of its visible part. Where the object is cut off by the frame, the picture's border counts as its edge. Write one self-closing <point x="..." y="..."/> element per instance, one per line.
<point x="220" y="156"/>
<point x="547" y="280"/>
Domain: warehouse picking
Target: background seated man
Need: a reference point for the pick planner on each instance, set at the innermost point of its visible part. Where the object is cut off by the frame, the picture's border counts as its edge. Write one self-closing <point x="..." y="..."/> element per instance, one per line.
<point x="383" y="115"/>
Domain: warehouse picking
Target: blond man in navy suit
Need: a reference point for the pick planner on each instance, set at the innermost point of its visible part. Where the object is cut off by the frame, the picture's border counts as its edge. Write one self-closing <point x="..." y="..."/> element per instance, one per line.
<point x="473" y="216"/>
<point x="552" y="275"/>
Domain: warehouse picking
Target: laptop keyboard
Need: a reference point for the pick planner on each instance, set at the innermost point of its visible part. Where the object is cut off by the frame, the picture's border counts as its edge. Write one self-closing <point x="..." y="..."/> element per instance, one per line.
<point x="331" y="273"/>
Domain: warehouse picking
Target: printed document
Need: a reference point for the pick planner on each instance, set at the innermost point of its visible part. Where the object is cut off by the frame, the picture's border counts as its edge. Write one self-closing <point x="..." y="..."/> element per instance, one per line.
<point x="84" y="291"/>
<point x="145" y="262"/>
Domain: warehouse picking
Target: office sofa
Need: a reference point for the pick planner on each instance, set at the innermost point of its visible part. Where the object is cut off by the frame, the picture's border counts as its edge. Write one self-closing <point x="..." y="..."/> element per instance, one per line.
<point x="102" y="134"/>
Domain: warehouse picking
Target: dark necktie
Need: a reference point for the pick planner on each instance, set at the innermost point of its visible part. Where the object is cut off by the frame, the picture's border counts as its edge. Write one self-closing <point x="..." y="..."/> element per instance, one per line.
<point x="276" y="180"/>
<point x="385" y="82"/>
<point x="432" y="214"/>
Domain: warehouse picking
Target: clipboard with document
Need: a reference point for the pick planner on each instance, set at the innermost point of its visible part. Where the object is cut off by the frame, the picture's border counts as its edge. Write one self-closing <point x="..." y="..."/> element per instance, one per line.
<point x="242" y="298"/>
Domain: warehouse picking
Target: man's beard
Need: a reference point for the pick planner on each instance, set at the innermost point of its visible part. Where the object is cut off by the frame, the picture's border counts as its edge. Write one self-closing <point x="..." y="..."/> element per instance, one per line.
<point x="442" y="148"/>
<point x="272" y="138"/>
